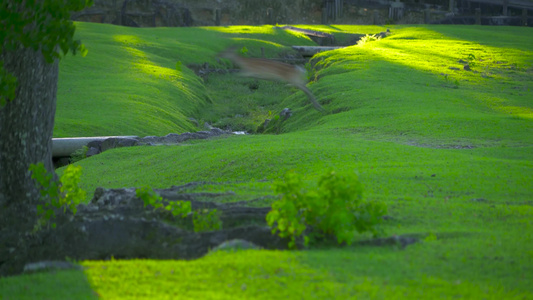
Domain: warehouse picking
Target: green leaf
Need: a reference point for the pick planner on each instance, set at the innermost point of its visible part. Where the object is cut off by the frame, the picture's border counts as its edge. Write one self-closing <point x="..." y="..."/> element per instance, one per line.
<point x="335" y="208"/>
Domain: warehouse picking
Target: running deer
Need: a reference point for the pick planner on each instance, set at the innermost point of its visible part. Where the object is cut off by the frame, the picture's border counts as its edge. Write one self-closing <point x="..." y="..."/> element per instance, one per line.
<point x="271" y="70"/>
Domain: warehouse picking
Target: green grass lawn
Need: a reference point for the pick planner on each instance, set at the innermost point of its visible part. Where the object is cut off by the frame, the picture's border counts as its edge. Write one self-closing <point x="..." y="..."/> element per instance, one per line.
<point x="450" y="152"/>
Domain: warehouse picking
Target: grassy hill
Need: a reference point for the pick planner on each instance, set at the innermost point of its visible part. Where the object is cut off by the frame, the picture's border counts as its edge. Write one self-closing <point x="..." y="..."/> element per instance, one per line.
<point x="449" y="150"/>
<point x="135" y="81"/>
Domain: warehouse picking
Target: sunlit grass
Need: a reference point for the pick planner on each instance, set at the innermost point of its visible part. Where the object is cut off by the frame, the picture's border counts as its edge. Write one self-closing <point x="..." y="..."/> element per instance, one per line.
<point x="277" y="275"/>
<point x="244" y="29"/>
<point x="419" y="72"/>
<point x="248" y="274"/>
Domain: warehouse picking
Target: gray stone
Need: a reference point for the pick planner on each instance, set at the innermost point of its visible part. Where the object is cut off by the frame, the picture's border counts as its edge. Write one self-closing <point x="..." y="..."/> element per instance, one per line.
<point x="117" y="143"/>
<point x="95" y="144"/>
<point x="49" y="265"/>
<point x="150" y="140"/>
<point x="115" y="197"/>
<point x="285" y="114"/>
<point x="92" y="151"/>
<point x="236" y="245"/>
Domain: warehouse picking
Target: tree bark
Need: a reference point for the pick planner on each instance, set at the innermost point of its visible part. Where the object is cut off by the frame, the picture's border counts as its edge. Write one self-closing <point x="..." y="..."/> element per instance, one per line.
<point x="26" y="124"/>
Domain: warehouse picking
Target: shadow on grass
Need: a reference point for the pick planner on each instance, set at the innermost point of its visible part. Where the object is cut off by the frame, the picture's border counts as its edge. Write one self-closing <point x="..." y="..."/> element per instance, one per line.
<point x="67" y="284"/>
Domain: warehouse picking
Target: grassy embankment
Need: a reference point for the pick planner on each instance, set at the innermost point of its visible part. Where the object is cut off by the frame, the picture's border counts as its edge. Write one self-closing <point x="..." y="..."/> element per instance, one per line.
<point x="450" y="152"/>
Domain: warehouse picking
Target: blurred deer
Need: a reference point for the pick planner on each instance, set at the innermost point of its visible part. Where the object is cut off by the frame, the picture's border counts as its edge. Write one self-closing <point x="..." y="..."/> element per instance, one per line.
<point x="271" y="70"/>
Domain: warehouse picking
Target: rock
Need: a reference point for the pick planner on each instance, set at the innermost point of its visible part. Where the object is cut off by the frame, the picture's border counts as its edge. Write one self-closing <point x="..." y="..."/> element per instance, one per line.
<point x="49" y="265"/>
<point x="217" y="131"/>
<point x="92" y="151"/>
<point x="172" y="138"/>
<point x="116" y="224"/>
<point x="112" y="198"/>
<point x="235" y="245"/>
<point x="149" y="140"/>
<point x="384" y="33"/>
<point x="285" y="114"/>
<point x="111" y="143"/>
<point x="95" y="144"/>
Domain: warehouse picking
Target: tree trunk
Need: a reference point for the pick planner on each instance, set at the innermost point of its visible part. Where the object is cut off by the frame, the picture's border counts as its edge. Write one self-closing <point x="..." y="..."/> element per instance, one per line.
<point x="26" y="124"/>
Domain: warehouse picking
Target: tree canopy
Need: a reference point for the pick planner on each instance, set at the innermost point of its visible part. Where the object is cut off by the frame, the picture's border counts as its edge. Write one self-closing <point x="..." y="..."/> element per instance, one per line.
<point x="42" y="25"/>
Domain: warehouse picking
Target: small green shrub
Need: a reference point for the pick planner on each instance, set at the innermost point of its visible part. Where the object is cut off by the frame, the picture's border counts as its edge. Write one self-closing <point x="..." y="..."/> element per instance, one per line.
<point x="64" y="194"/>
<point x="368" y="38"/>
<point x="203" y="219"/>
<point x="79" y="154"/>
<point x="206" y="220"/>
<point x="335" y="209"/>
<point x="149" y="197"/>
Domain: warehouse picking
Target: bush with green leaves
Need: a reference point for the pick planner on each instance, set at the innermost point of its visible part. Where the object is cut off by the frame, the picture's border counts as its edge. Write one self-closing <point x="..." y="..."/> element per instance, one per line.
<point x="149" y="197"/>
<point x="203" y="219"/>
<point x="206" y="220"/>
<point x="79" y="154"/>
<point x="335" y="209"/>
<point x="65" y="193"/>
<point x="368" y="38"/>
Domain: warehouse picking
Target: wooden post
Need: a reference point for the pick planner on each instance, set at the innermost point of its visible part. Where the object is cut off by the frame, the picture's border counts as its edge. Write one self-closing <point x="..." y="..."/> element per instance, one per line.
<point x="325" y="14"/>
<point x="452" y="6"/>
<point x="396" y="10"/>
<point x="524" y="16"/>
<point x="426" y="16"/>
<point x="478" y="16"/>
<point x="375" y="17"/>
<point x="217" y="17"/>
<point x="270" y="16"/>
<point x="505" y="5"/>
<point x="338" y="9"/>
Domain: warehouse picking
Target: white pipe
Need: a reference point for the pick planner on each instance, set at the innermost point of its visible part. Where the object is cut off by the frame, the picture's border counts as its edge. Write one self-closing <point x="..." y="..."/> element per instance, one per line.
<point x="64" y="147"/>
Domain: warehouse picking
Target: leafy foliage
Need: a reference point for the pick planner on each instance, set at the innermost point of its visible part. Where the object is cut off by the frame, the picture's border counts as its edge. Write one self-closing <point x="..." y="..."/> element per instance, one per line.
<point x="206" y="220"/>
<point x="65" y="194"/>
<point x="336" y="208"/>
<point x="71" y="193"/>
<point x="368" y="38"/>
<point x="43" y="26"/>
<point x="79" y="154"/>
<point x="203" y="219"/>
<point x="149" y="197"/>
